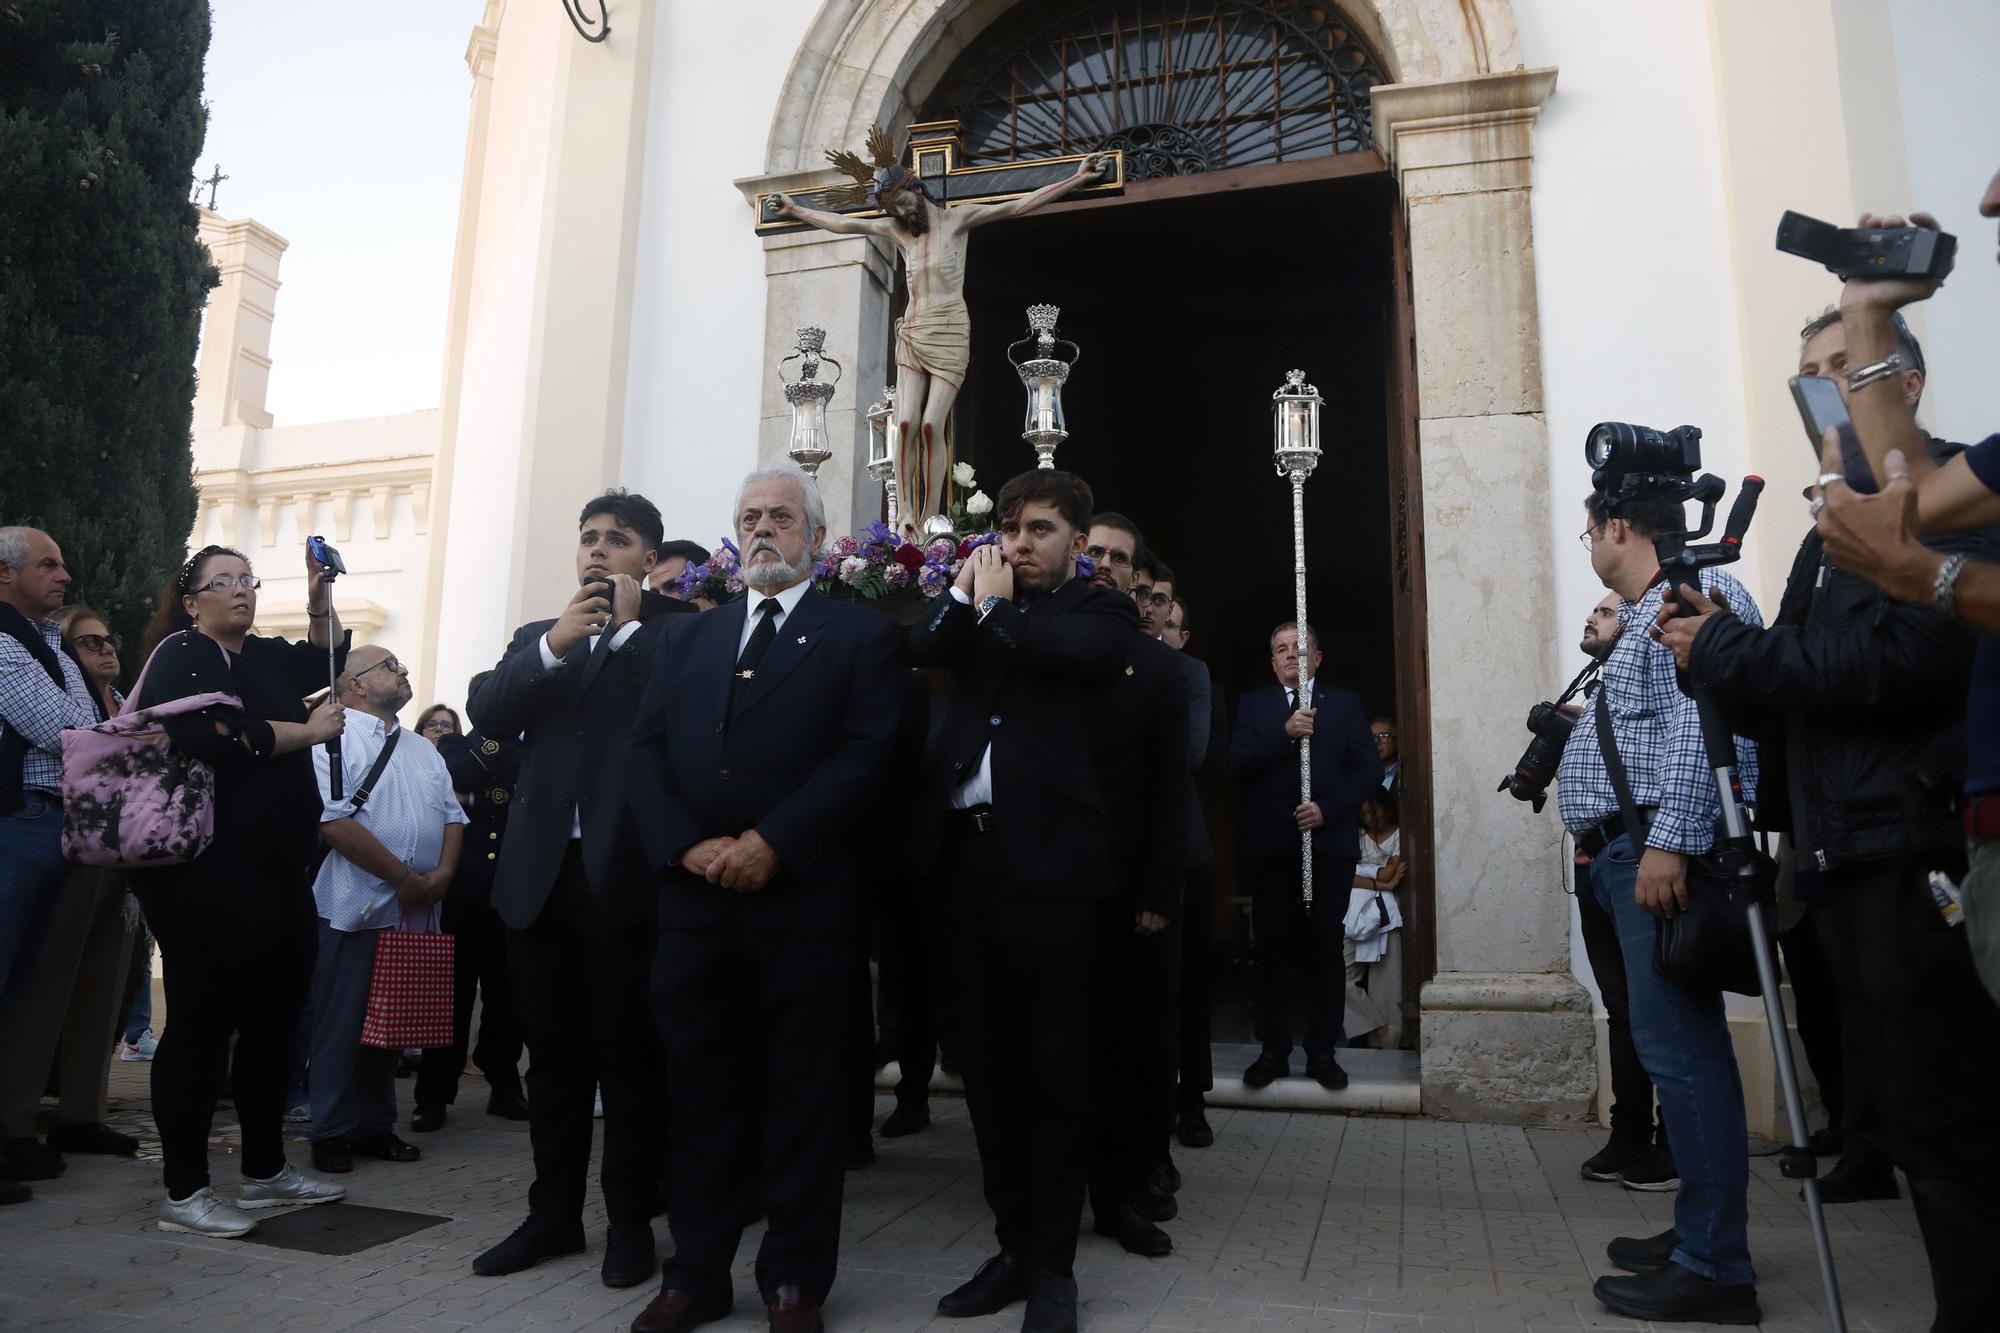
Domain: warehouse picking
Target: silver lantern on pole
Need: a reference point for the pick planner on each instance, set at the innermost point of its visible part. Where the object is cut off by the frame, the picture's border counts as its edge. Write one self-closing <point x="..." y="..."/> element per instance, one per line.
<point x="1042" y="374"/>
<point x="1295" y="453"/>
<point x="808" y="396"/>
<point x="881" y="466"/>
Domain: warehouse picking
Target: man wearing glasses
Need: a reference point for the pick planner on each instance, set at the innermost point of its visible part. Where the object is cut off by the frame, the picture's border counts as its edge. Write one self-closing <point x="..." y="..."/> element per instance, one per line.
<point x="1152" y="592"/>
<point x="395" y="836"/>
<point x="1384" y="731"/>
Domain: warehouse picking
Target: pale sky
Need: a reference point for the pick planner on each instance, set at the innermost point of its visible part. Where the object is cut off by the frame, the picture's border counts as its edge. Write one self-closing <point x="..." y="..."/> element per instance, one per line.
<point x="342" y="128"/>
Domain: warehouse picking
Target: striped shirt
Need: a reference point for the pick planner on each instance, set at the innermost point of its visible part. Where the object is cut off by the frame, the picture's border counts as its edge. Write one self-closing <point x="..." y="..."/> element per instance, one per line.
<point x="33" y="708"/>
<point x="407" y="812"/>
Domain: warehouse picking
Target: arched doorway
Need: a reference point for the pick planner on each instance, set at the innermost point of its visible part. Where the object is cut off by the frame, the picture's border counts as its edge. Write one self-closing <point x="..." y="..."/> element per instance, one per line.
<point x="1507" y="1032"/>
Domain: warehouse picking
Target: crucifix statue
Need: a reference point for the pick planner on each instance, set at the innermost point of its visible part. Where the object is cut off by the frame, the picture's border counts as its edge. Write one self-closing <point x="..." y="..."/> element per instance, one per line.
<point x="926" y="210"/>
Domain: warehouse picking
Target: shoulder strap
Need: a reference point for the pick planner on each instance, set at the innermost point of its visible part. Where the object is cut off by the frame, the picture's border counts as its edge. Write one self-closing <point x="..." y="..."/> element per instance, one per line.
<point x="1614" y="764"/>
<point x="375" y="771"/>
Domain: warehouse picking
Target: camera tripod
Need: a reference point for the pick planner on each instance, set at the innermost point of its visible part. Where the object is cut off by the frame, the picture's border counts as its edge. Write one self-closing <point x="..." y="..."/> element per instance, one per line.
<point x="1682" y="563"/>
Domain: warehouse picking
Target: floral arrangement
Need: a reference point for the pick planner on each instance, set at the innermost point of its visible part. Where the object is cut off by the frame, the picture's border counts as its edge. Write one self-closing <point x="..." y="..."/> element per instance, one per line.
<point x="719" y="579"/>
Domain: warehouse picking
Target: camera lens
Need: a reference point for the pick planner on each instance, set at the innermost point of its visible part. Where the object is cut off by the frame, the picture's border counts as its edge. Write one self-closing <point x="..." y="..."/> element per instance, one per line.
<point x="1603" y="442"/>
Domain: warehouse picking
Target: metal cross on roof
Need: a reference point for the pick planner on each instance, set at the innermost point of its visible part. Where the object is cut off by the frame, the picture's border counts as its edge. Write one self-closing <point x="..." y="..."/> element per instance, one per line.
<point x="214" y="179"/>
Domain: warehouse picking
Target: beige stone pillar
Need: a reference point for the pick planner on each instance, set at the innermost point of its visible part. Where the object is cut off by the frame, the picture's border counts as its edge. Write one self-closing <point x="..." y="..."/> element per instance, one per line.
<point x="1507" y="1031"/>
<point x="234" y="367"/>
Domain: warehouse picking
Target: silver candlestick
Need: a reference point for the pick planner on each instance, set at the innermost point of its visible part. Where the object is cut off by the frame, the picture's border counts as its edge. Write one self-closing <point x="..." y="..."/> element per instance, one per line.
<point x="808" y="396"/>
<point x="881" y="466"/>
<point x="1295" y="453"/>
<point x="1042" y="375"/>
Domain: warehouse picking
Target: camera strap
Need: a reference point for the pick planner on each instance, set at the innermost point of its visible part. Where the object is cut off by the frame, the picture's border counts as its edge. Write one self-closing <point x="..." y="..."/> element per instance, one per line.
<point x="1614" y="764"/>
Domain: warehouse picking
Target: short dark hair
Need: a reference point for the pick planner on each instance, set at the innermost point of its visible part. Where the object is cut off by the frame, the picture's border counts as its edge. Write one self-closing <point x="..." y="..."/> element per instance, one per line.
<point x="1065" y="492"/>
<point x="692" y="552"/>
<point x="1312" y="635"/>
<point x="1390" y="803"/>
<point x="1181" y="602"/>
<point x="1111" y="518"/>
<point x="1163" y="572"/>
<point x="1648" y="518"/>
<point x="1145" y="562"/>
<point x="1906" y="341"/>
<point x="632" y="510"/>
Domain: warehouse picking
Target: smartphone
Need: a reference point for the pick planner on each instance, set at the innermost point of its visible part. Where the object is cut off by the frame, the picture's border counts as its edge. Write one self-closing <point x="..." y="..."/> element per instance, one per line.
<point x="1822" y="409"/>
<point x="317" y="548"/>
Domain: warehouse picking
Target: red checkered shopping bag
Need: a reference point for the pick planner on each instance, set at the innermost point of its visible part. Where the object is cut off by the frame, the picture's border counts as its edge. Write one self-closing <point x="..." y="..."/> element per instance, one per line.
<point x="410" y="995"/>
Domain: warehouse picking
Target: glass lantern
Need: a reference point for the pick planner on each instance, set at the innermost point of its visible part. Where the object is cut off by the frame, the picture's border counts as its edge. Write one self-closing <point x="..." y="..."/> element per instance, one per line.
<point x="1043" y="374"/>
<point x="1295" y="425"/>
<point x="808" y="396"/>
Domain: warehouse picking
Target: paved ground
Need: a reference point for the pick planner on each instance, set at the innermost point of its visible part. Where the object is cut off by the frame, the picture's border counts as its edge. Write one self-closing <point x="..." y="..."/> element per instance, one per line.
<point x="1291" y="1221"/>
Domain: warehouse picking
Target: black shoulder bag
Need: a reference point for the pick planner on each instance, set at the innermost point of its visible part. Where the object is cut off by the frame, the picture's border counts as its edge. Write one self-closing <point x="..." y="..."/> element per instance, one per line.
<point x="361" y="793"/>
<point x="1707" y="946"/>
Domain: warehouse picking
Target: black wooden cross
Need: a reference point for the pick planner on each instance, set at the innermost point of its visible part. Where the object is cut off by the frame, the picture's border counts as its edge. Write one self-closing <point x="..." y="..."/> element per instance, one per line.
<point x="214" y="179"/>
<point x="934" y="150"/>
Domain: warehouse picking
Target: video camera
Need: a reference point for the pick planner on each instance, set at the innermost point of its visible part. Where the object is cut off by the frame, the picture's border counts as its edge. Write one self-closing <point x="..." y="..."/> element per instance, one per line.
<point x="1868" y="252"/>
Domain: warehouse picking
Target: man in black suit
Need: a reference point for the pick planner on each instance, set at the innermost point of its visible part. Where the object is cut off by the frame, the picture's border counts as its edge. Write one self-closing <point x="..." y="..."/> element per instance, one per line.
<point x="573" y="888"/>
<point x="1026" y="874"/>
<point x="765" y="730"/>
<point x="1264" y="753"/>
<point x="483" y="770"/>
<point x="1195" y="1063"/>
<point x="1145" y="769"/>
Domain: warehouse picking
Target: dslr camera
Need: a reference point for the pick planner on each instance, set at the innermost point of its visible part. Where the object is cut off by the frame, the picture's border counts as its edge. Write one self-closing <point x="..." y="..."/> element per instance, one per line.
<point x="1537" y="766"/>
<point x="1868" y="252"/>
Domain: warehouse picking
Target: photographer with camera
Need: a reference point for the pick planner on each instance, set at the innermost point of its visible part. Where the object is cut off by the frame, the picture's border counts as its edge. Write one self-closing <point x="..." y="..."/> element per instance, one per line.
<point x="1700" y="1269"/>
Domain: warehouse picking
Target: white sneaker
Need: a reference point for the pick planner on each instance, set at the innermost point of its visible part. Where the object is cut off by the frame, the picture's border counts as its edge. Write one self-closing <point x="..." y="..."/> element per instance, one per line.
<point x="141" y="1049"/>
<point x="203" y="1213"/>
<point x="302" y="1114"/>
<point x="290" y="1185"/>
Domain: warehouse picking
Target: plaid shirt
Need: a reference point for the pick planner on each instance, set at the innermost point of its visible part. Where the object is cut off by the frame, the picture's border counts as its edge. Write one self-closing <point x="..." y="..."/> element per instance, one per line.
<point x="1658" y="730"/>
<point x="32" y="707"/>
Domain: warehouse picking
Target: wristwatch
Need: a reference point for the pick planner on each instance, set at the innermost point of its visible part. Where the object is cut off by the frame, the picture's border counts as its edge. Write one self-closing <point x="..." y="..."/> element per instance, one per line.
<point x="1944" y="592"/>
<point x="988" y="602"/>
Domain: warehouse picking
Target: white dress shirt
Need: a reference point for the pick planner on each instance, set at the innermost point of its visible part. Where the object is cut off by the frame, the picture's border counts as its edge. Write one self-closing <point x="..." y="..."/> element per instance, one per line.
<point x="788" y="602"/>
<point x="550" y="662"/>
<point x="407" y="811"/>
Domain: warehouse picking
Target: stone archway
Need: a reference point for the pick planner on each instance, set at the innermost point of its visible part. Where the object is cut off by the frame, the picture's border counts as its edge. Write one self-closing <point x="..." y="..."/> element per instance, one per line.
<point x="1507" y="1032"/>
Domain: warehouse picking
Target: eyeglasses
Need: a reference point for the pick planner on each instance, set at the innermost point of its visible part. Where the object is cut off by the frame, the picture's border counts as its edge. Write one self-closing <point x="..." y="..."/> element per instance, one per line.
<point x="97" y="643"/>
<point x="439" y="724"/>
<point x="1101" y="554"/>
<point x="1586" y="537"/>
<point x="1150" y="598"/>
<point x="389" y="662"/>
<point x="1385" y="735"/>
<point x="227" y="582"/>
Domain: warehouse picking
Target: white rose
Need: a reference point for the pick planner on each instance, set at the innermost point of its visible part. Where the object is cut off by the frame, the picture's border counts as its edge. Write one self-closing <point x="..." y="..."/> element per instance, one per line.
<point x="980" y="503"/>
<point x="962" y="474"/>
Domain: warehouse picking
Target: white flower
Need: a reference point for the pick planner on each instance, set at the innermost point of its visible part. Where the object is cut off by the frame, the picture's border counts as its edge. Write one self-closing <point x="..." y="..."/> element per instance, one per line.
<point x="962" y="474"/>
<point x="979" y="503"/>
<point x="852" y="568"/>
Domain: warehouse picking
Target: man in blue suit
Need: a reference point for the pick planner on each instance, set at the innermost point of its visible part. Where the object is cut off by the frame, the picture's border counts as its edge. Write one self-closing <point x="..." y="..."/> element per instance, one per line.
<point x="1271" y="724"/>
<point x="764" y="738"/>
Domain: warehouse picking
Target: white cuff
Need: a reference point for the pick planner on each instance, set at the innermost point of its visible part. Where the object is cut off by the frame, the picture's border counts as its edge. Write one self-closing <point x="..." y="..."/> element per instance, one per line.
<point x="549" y="660"/>
<point x="959" y="595"/>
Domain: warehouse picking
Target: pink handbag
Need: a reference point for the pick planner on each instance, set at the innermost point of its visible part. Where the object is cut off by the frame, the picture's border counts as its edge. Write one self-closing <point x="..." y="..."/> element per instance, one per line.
<point x="129" y="798"/>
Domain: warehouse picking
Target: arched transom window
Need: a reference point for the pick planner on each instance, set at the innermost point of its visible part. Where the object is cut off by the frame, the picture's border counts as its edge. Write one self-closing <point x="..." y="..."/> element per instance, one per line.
<point x="1181" y="86"/>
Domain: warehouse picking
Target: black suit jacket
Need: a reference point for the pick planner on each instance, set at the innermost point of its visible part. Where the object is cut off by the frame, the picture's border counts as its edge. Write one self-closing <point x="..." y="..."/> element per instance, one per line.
<point x="573" y="723"/>
<point x="1146" y="767"/>
<point x="1345" y="769"/>
<point x="483" y="771"/>
<point x="1032" y="684"/>
<point x="804" y="758"/>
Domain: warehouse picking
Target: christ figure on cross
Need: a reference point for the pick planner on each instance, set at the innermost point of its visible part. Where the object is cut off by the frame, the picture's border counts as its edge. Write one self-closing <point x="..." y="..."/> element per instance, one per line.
<point x="934" y="336"/>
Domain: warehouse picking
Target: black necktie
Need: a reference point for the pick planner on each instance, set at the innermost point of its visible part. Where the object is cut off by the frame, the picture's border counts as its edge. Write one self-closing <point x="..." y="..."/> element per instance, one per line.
<point x="1292" y="698"/>
<point x="761" y="639"/>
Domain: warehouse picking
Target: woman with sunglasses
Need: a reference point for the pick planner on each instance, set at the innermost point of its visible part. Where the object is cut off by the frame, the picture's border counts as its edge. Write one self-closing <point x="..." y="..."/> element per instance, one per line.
<point x="236" y="924"/>
<point x="71" y="1004"/>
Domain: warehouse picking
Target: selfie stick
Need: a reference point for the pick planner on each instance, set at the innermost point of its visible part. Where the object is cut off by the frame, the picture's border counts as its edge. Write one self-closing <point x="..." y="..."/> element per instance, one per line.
<point x="1734" y="851"/>
<point x="330" y="567"/>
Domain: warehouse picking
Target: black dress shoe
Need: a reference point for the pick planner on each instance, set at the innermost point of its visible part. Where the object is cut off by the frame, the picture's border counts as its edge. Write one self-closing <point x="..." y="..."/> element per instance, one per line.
<point x="1154" y="1204"/>
<point x="1000" y="1282"/>
<point x="860" y="1155"/>
<point x="508" y="1105"/>
<point x="427" y="1120"/>
<point x="1266" y="1069"/>
<point x="1615" y="1158"/>
<point x="1637" y="1254"/>
<point x="1327" y="1071"/>
<point x="90" y="1136"/>
<point x="1134" y="1233"/>
<point x="1671" y="1293"/>
<point x="628" y="1255"/>
<point x="1192" y="1129"/>
<point x="1166" y="1176"/>
<point x="1051" y="1305"/>
<point x="907" y="1118"/>
<point x="332" y="1156"/>
<point x="1846" y="1183"/>
<point x="385" y="1147"/>
<point x="674" y="1311"/>
<point x="533" y="1241"/>
<point x="26" y="1159"/>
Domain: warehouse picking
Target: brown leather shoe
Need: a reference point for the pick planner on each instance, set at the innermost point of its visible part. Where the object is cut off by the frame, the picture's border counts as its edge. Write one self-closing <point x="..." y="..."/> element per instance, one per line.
<point x="794" y="1312"/>
<point x="674" y="1311"/>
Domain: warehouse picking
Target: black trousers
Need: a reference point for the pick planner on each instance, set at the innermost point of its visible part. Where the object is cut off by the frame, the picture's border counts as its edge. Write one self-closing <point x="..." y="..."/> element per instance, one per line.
<point x="909" y="990"/>
<point x="756" y="1026"/>
<point x="1197" y="932"/>
<point x="1135" y="1064"/>
<point x="1291" y="935"/>
<point x="858" y="1066"/>
<point x="1835" y="1045"/>
<point x="580" y="997"/>
<point x="1934" y="1066"/>
<point x="1023" y="976"/>
<point x="1631" y="1089"/>
<point x="238" y="949"/>
<point x="479" y="964"/>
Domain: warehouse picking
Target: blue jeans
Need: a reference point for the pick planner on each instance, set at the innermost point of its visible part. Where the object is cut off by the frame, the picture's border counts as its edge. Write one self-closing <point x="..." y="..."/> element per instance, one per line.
<point x="32" y="872"/>
<point x="1683" y="1041"/>
<point x="141" y="1016"/>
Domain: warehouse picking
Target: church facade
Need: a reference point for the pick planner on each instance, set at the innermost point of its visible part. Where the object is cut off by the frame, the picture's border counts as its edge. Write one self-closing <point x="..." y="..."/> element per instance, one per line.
<point x="1480" y="226"/>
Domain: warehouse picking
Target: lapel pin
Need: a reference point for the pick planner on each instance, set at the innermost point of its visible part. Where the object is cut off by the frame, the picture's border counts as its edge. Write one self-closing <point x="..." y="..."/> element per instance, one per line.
<point x="802" y="638"/>
<point x="1129" y="671"/>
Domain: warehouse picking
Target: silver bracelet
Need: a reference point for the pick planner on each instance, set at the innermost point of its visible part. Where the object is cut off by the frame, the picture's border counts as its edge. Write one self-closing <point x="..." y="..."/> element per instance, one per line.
<point x="1864" y="376"/>
<point x="1944" y="592"/>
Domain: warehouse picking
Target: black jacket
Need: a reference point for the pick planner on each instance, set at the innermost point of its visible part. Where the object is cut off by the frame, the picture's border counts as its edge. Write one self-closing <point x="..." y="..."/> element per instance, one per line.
<point x="804" y="758"/>
<point x="1032" y="684"/>
<point x="1147" y="771"/>
<point x="483" y="771"/>
<point x="1860" y="702"/>
<point x="1345" y="769"/>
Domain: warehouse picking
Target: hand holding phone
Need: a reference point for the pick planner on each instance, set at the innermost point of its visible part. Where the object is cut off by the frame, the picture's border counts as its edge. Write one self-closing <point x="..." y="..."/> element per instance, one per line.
<point x="1822" y="408"/>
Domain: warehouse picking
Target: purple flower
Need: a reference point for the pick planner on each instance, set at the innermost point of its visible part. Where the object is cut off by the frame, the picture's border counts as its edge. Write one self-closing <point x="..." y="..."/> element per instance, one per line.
<point x="895" y="576"/>
<point x="1085" y="567"/>
<point x="941" y="548"/>
<point x="845" y="546"/>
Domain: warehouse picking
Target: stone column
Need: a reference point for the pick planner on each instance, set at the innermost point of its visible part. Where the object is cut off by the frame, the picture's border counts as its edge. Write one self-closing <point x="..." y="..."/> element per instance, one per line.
<point x="1507" y="1031"/>
<point x="234" y="368"/>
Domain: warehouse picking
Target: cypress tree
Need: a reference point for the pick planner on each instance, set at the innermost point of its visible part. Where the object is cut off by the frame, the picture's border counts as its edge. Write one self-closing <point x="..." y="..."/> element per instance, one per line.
<point x="102" y="282"/>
